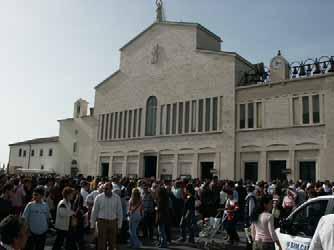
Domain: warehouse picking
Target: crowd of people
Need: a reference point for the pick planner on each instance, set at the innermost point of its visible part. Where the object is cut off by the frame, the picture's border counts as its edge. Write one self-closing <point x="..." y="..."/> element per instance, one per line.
<point x="140" y="211"/>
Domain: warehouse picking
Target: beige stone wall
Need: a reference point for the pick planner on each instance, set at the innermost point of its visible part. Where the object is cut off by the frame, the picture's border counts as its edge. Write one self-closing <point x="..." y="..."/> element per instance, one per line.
<point x="36" y="161"/>
<point x="85" y="139"/>
<point x="280" y="137"/>
<point x="205" y="41"/>
<point x="181" y="74"/>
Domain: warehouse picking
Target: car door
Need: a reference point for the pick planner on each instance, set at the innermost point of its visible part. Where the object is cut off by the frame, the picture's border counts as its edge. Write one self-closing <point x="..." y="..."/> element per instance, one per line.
<point x="297" y="230"/>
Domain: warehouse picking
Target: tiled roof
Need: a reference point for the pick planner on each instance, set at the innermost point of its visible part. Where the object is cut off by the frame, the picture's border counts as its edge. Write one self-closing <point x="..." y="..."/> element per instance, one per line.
<point x="37" y="141"/>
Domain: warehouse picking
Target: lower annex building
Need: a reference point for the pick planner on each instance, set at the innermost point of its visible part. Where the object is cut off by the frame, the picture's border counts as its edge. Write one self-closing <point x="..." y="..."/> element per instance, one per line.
<point x="181" y="106"/>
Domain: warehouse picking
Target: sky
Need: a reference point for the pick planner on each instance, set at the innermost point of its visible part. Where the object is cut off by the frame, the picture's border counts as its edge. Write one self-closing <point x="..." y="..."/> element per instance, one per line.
<point x="54" y="52"/>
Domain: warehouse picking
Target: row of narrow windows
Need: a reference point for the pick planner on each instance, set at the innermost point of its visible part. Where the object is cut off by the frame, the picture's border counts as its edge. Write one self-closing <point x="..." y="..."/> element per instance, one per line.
<point x="120" y="125"/>
<point x="305" y="110"/>
<point x="189" y="117"/>
<point x="23" y="153"/>
<point x="168" y="119"/>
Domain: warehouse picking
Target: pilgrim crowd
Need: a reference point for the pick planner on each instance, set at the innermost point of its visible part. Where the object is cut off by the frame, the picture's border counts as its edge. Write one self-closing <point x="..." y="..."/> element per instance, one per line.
<point x="81" y="212"/>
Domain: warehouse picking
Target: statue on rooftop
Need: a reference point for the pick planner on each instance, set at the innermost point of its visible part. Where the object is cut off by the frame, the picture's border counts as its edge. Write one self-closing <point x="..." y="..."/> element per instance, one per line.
<point x="159" y="10"/>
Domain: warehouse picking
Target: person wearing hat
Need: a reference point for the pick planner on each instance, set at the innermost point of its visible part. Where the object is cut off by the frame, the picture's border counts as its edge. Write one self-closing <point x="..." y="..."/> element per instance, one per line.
<point x="13" y="232"/>
<point x="36" y="214"/>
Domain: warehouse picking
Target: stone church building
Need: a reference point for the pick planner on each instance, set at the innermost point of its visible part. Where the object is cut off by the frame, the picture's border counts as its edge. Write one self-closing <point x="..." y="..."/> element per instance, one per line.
<point x="180" y="106"/>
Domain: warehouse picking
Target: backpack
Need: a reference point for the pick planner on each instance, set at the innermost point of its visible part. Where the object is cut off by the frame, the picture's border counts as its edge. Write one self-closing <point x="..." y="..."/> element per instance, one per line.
<point x="246" y="209"/>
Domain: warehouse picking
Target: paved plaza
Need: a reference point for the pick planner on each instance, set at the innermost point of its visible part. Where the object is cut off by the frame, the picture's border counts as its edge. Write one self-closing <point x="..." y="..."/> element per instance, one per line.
<point x="218" y="241"/>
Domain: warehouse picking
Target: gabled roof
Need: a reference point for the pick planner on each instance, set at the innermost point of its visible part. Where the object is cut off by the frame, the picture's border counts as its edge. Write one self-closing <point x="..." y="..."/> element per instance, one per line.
<point x="108" y="78"/>
<point x="37" y="141"/>
<point x="196" y="25"/>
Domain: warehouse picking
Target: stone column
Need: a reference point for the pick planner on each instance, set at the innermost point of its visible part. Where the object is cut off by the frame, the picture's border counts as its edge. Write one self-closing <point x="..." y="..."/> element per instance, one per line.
<point x="263" y="171"/>
<point x="195" y="167"/>
<point x="110" y="166"/>
<point x="125" y="166"/>
<point x="217" y="163"/>
<point x="176" y="169"/>
<point x="291" y="165"/>
<point x="158" y="166"/>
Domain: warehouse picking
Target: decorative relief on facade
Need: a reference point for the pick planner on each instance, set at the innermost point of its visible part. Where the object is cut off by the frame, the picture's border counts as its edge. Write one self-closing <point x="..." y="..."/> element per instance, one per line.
<point x="155" y="54"/>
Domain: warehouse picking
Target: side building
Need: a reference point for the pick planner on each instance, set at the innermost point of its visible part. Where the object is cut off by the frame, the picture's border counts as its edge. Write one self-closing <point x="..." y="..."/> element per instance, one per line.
<point x="285" y="125"/>
<point x="70" y="153"/>
<point x="33" y="156"/>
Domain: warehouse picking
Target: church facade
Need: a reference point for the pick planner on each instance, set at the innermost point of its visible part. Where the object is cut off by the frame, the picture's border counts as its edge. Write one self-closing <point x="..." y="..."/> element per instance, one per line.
<point x="179" y="106"/>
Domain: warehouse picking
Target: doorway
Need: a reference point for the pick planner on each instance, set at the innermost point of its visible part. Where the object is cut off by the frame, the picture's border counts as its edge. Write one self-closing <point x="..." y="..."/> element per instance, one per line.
<point x="307" y="170"/>
<point x="251" y="171"/>
<point x="278" y="170"/>
<point x="207" y="170"/>
<point x="104" y="169"/>
<point x="150" y="166"/>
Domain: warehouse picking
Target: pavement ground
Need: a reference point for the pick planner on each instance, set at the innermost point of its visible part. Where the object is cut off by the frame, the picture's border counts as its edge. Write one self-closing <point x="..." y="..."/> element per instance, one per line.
<point x="218" y="240"/>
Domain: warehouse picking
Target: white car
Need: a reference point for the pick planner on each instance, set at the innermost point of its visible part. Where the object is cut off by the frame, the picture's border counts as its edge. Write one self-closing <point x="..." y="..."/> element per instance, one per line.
<point x="297" y="230"/>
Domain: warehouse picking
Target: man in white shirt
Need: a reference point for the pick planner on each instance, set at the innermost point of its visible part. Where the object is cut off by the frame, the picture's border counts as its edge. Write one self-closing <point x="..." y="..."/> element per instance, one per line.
<point x="323" y="238"/>
<point x="84" y="191"/>
<point x="107" y="212"/>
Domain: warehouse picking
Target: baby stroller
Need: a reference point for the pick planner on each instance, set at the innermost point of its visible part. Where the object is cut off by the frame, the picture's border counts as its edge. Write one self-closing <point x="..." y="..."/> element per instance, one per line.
<point x="213" y="225"/>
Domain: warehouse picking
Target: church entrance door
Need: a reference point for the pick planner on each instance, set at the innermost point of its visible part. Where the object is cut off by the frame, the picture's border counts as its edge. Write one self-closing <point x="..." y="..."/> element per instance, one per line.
<point x="206" y="170"/>
<point x="150" y="165"/>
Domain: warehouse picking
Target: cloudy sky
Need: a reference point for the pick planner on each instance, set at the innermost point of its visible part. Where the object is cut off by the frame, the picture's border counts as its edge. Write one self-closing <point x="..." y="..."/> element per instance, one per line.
<point x="54" y="52"/>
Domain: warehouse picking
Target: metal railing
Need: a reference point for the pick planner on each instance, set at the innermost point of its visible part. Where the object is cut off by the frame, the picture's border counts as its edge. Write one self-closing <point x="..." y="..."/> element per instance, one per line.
<point x="260" y="74"/>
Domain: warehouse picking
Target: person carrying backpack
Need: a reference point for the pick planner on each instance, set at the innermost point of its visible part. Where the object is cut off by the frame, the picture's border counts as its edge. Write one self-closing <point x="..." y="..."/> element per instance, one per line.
<point x="250" y="206"/>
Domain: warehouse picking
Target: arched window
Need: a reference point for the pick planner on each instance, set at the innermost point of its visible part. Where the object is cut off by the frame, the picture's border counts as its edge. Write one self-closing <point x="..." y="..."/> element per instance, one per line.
<point x="151" y="116"/>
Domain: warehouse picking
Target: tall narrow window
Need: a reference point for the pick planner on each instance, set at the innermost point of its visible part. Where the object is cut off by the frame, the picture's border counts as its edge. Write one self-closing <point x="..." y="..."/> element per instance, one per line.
<point x="50" y="152"/>
<point x="296" y="110"/>
<point x="221" y="116"/>
<point x="125" y="123"/>
<point x="20" y="152"/>
<point x="75" y="147"/>
<point x="106" y="128"/>
<point x="250" y="115"/>
<point x="180" y="117"/>
<point x="139" y="123"/>
<point x="120" y="125"/>
<point x="207" y="113"/>
<point x="259" y="115"/>
<point x="24" y="153"/>
<point x="168" y="119"/>
<point x="151" y="116"/>
<point x="134" y="123"/>
<point x="215" y="113"/>
<point x="115" y="128"/>
<point x="41" y="152"/>
<point x="316" y="108"/>
<point x="130" y="124"/>
<point x="32" y="153"/>
<point x="111" y="125"/>
<point x="193" y="116"/>
<point x="174" y="119"/>
<point x="102" y="128"/>
<point x="162" y="108"/>
<point x="242" y="116"/>
<point x="306" y="110"/>
<point x="187" y="115"/>
<point x="200" y="115"/>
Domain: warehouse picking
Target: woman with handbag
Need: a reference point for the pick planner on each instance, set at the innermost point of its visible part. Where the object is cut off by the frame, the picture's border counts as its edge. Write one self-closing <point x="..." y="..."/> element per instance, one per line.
<point x="136" y="211"/>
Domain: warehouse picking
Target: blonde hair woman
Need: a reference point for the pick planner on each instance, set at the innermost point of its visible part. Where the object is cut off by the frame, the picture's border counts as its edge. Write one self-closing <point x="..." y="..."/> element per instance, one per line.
<point x="135" y="215"/>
